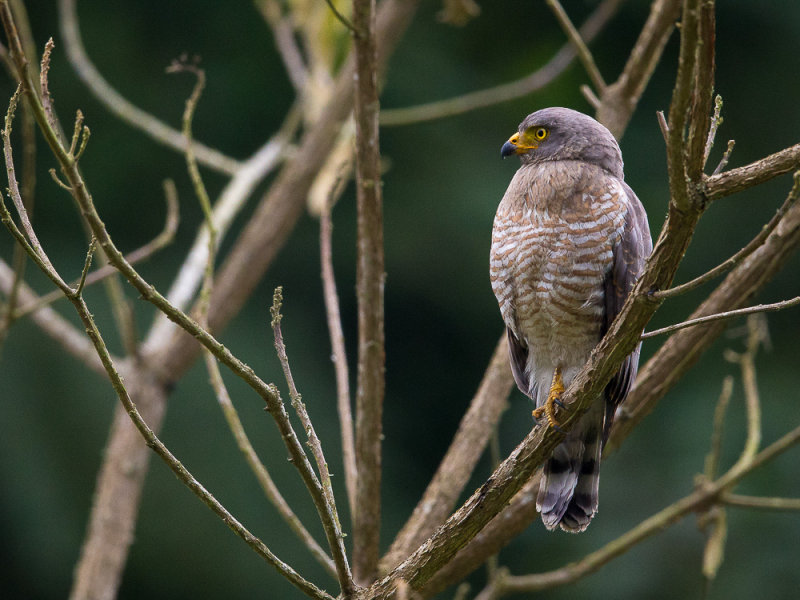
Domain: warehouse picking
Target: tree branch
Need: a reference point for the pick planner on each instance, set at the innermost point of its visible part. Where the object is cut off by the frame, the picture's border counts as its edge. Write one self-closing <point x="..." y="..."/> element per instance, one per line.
<point x="331" y="517"/>
<point x="339" y="358"/>
<point x="369" y="290"/>
<point x="584" y="54"/>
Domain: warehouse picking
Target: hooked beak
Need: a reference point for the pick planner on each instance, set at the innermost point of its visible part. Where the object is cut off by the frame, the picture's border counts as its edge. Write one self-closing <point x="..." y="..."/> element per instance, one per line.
<point x="513" y="146"/>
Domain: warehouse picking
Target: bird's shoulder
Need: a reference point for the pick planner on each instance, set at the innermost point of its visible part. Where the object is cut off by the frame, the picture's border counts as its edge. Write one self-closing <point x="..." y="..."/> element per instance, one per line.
<point x="564" y="187"/>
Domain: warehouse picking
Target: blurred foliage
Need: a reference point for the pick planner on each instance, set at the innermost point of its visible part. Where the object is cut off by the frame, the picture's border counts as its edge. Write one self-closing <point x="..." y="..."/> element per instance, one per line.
<point x="441" y="190"/>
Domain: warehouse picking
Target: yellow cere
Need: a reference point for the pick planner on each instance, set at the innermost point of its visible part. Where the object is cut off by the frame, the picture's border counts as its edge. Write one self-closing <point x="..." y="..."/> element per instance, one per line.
<point x="529" y="140"/>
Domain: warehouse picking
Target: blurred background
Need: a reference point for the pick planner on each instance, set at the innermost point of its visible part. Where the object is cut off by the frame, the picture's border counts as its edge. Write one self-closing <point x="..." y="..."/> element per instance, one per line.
<point x="442" y="186"/>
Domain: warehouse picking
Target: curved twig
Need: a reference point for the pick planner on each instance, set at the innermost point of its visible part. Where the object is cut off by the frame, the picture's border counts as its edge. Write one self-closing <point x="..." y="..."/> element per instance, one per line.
<point x="724" y="315"/>
<point x="120" y="106"/>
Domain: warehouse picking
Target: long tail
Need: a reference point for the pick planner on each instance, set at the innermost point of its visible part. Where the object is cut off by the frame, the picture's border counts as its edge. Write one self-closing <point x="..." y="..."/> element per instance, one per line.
<point x="568" y="495"/>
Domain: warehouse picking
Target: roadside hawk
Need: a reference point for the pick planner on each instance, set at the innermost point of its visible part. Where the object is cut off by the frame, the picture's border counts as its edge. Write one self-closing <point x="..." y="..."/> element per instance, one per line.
<point x="569" y="240"/>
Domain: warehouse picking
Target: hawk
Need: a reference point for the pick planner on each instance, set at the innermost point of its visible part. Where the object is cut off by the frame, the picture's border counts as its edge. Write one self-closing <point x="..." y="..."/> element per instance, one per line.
<point x="570" y="238"/>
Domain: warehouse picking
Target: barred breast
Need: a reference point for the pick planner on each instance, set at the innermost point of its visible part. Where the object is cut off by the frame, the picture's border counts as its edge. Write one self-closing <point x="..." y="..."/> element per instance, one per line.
<point x="551" y="249"/>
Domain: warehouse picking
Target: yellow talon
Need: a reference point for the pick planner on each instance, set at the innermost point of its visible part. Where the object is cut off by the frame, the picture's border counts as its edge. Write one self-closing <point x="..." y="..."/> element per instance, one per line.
<point x="548" y="409"/>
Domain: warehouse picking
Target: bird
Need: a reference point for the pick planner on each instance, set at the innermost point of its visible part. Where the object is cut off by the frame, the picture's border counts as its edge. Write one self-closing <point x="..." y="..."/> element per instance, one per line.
<point x="569" y="240"/>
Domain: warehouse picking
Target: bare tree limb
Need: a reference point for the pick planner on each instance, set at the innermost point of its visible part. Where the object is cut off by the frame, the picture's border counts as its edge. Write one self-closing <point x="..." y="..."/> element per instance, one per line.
<point x="756" y="173"/>
<point x="734" y="260"/>
<point x="165" y="362"/>
<point x="338" y="550"/>
<point x="760" y="308"/>
<point x="621" y="97"/>
<point x="780" y="504"/>
<point x="584" y="54"/>
<point x="339" y="358"/>
<point x="369" y="291"/>
<point x="39" y="256"/>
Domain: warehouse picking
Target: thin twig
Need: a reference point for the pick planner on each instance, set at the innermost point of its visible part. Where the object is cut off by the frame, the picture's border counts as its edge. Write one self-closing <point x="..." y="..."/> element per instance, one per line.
<point x="712" y="459"/>
<point x="344" y="20"/>
<point x="757" y="333"/>
<point x="742" y="178"/>
<point x="737" y="258"/>
<point x="337" y="550"/>
<point x="42" y="261"/>
<point x="86" y="264"/>
<point x="584" y="54"/>
<point x="662" y="124"/>
<point x="724" y="315"/>
<point x="780" y="504"/>
<point x="716" y="121"/>
<point x="164" y="238"/>
<point x="285" y="42"/>
<point x="260" y="471"/>
<point x="726" y="156"/>
<point x="339" y="357"/>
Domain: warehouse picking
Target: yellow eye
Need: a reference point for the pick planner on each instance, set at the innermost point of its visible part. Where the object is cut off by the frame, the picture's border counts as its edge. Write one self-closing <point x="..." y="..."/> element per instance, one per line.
<point x="540" y="133"/>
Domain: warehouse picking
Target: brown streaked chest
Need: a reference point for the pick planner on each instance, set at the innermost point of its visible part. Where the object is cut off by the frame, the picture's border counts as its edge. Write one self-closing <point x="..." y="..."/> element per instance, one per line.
<point x="552" y="242"/>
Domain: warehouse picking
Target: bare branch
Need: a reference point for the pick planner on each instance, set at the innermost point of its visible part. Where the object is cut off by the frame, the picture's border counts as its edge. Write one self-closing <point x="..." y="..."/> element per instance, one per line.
<point x="757" y="334"/>
<point x="584" y="54"/>
<point x="328" y="513"/>
<point x="756" y="173"/>
<point x="780" y="504"/>
<point x="711" y="464"/>
<point x="723" y="162"/>
<point x="339" y="359"/>
<point x="144" y="252"/>
<point x="369" y="290"/>
<point x="737" y="258"/>
<point x="260" y="471"/>
<point x="724" y="315"/>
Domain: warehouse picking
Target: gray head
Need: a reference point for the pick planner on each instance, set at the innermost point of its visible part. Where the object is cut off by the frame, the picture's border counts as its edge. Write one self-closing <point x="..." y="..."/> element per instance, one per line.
<point x="558" y="133"/>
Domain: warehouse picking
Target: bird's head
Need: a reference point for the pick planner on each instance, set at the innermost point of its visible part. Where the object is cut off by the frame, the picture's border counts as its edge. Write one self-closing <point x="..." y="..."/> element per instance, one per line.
<point x="556" y="133"/>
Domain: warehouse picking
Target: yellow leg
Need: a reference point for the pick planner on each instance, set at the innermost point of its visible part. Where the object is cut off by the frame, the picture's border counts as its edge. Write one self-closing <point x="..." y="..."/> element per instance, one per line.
<point x="548" y="410"/>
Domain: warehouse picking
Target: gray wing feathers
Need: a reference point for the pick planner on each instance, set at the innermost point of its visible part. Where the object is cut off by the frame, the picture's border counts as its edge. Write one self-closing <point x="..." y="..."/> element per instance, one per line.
<point x="630" y="253"/>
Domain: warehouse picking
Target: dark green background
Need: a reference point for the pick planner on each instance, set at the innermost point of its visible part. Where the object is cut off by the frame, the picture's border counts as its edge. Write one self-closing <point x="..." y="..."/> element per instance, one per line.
<point x="442" y="322"/>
